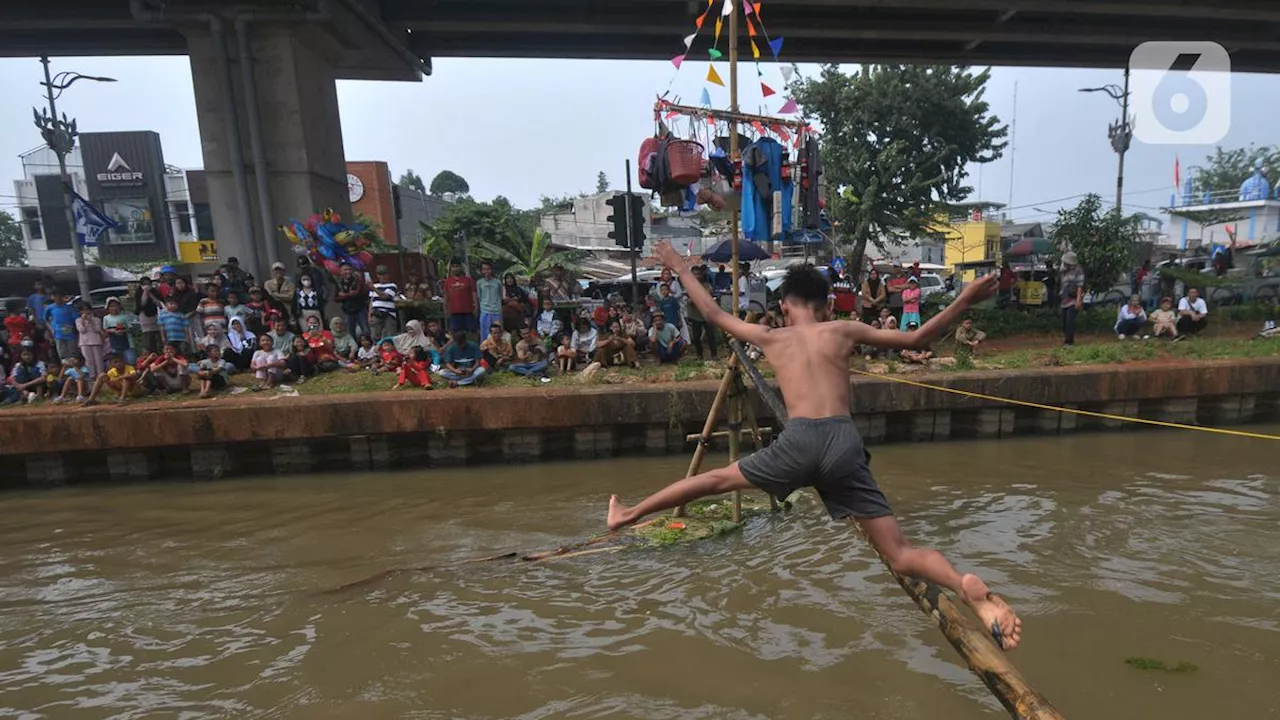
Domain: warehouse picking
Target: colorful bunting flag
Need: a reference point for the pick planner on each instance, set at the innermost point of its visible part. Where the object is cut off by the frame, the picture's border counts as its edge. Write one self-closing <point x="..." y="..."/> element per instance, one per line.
<point x="746" y="7"/>
<point x="751" y="28"/>
<point x="706" y="98"/>
<point x="677" y="60"/>
<point x="713" y="76"/>
<point x="757" y="9"/>
<point x="719" y="27"/>
<point x="701" y="19"/>
<point x="776" y="45"/>
<point x="758" y="126"/>
<point x="787" y="73"/>
<point x="755" y="51"/>
<point x="789" y="107"/>
<point x="728" y="8"/>
<point x="688" y="40"/>
<point x="715" y="54"/>
<point x="766" y="90"/>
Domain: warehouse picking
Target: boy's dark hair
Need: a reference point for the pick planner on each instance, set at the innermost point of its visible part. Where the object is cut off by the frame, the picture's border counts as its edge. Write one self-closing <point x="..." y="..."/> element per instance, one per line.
<point x="82" y="305"/>
<point x="806" y="284"/>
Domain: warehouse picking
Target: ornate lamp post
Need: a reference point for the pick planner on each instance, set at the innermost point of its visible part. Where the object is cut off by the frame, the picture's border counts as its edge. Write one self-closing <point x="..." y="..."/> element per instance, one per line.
<point x="1120" y="132"/>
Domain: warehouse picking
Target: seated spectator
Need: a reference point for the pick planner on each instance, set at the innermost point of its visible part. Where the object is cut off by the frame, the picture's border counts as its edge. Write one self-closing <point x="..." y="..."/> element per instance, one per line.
<point x="1165" y="320"/>
<point x="633" y="328"/>
<point x="496" y="349"/>
<point x="414" y="339"/>
<point x="918" y="357"/>
<point x="213" y="372"/>
<point x="344" y="345"/>
<point x="461" y="361"/>
<point x="367" y="355"/>
<point x="566" y="356"/>
<point x="1130" y="319"/>
<point x="281" y="338"/>
<point x="531" y="356"/>
<point x="615" y="348"/>
<point x="268" y="364"/>
<point x="169" y="373"/>
<point x="548" y="325"/>
<point x="241" y="344"/>
<point x="415" y="370"/>
<point x="584" y="341"/>
<point x="887" y="320"/>
<point x="439" y="338"/>
<point x="27" y="380"/>
<point x="389" y="358"/>
<point x="74" y="375"/>
<point x="665" y="339"/>
<point x="120" y="378"/>
<point x="300" y="364"/>
<point x="967" y="336"/>
<point x="258" y="312"/>
<point x="214" y="335"/>
<point x="321" y="344"/>
<point x="1193" y="314"/>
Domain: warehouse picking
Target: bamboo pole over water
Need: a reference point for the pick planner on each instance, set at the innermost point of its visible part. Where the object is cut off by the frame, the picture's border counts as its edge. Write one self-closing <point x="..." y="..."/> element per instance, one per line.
<point x="708" y="428"/>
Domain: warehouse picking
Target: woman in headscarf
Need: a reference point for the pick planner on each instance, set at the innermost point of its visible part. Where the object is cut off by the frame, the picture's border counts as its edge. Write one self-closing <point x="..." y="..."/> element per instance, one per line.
<point x="344" y="343"/>
<point x="413" y="338"/>
<point x="874" y="296"/>
<point x="214" y="335"/>
<point x="243" y="344"/>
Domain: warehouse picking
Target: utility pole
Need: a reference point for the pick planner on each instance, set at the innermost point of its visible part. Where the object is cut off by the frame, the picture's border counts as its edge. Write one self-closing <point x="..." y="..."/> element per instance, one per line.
<point x="60" y="136"/>
<point x="635" y="251"/>
<point x="1120" y="132"/>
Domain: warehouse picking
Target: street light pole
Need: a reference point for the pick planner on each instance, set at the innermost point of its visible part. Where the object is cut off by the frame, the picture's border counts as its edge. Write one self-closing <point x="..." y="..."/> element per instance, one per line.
<point x="1120" y="132"/>
<point x="60" y="136"/>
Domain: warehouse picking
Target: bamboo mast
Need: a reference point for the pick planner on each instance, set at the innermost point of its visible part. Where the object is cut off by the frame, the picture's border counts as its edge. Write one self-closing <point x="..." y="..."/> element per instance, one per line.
<point x="735" y="398"/>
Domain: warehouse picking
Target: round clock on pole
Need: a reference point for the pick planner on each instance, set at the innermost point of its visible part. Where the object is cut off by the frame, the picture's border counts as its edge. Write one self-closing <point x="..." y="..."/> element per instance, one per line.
<point x="355" y="188"/>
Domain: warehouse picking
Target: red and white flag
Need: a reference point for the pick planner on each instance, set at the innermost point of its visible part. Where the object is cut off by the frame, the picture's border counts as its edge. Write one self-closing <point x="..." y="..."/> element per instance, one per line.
<point x="1177" y="177"/>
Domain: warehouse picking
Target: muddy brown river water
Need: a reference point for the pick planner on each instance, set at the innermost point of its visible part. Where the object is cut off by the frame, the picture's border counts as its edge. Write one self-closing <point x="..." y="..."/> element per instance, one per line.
<point x="207" y="600"/>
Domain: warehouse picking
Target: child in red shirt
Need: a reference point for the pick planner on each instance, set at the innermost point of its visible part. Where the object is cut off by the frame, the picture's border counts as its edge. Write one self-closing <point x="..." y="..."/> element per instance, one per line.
<point x="412" y="371"/>
<point x="19" y="328"/>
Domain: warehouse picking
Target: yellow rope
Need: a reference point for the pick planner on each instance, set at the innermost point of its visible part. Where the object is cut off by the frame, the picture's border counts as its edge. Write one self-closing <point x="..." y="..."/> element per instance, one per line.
<point x="1105" y="416"/>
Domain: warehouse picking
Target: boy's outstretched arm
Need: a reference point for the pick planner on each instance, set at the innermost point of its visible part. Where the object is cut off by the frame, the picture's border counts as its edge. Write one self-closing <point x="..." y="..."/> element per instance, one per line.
<point x="698" y="295"/>
<point x="934" y="329"/>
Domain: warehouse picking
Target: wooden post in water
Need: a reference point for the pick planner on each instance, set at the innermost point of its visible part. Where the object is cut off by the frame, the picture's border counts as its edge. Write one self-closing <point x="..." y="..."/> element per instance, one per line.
<point x="735" y="433"/>
<point x="735" y="398"/>
<point x="695" y="465"/>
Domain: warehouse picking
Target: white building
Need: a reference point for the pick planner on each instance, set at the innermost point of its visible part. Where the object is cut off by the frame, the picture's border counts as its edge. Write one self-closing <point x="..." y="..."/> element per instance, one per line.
<point x="1254" y="211"/>
<point x="927" y="250"/>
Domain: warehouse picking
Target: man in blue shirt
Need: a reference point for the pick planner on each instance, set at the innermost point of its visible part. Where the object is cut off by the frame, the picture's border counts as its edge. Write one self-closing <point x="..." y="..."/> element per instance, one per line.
<point x="36" y="302"/>
<point x="61" y="317"/>
<point x="461" y="361"/>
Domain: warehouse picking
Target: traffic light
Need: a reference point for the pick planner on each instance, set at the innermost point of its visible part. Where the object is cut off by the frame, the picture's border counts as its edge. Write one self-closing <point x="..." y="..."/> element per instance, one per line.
<point x="637" y="221"/>
<point x="618" y="203"/>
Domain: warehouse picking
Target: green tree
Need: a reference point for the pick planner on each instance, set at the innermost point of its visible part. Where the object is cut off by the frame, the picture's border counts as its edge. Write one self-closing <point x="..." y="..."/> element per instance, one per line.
<point x="12" y="252"/>
<point x="896" y="141"/>
<point x="1225" y="170"/>
<point x="531" y="258"/>
<point x="413" y="180"/>
<point x="1104" y="242"/>
<point x="448" y="181"/>
<point x="602" y="183"/>
<point x="468" y="224"/>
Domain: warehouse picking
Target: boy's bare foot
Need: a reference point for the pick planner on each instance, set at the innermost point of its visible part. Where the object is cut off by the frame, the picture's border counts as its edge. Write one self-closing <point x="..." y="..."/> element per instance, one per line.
<point x="617" y="517"/>
<point x="996" y="615"/>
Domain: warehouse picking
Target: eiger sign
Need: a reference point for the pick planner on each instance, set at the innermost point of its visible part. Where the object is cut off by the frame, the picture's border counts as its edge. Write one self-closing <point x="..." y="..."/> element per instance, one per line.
<point x="119" y="173"/>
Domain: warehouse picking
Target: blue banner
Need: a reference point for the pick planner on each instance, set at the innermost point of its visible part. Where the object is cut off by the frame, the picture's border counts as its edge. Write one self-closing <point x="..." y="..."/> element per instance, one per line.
<point x="90" y="222"/>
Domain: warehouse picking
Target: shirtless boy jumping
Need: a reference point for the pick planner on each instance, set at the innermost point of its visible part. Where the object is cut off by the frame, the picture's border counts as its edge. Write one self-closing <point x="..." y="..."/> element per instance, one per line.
<point x="820" y="447"/>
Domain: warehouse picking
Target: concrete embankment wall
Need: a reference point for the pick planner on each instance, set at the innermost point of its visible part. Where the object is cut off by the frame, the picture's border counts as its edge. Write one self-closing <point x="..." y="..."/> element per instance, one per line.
<point x="238" y="436"/>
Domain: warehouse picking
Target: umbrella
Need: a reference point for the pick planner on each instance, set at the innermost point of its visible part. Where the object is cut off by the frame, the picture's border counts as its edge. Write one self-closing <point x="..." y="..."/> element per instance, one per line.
<point x="722" y="252"/>
<point x="1029" y="246"/>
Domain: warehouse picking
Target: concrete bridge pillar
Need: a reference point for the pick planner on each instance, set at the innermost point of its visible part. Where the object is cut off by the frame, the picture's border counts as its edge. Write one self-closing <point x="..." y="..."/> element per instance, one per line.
<point x="301" y="133"/>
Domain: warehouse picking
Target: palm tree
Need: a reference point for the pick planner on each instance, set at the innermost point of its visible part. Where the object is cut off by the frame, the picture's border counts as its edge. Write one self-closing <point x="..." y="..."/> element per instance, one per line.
<point x="529" y="259"/>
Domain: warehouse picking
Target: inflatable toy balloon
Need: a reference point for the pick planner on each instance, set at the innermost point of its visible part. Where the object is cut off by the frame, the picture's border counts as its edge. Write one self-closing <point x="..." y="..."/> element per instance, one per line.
<point x="365" y="257"/>
<point x="355" y="262"/>
<point x="326" y="250"/>
<point x="299" y="250"/>
<point x="332" y="266"/>
<point x="289" y="233"/>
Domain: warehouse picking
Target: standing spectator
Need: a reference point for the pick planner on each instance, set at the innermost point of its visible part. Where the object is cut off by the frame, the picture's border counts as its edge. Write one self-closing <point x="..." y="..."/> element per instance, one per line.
<point x="461" y="361"/>
<point x="93" y="340"/>
<point x="516" y="307"/>
<point x="307" y="301"/>
<point x="613" y="347"/>
<point x="911" y="302"/>
<point x="60" y="317"/>
<point x="344" y="344"/>
<point x="744" y="290"/>
<point x="669" y="304"/>
<point x="666" y="278"/>
<point x="36" y="302"/>
<point x="531" y="355"/>
<point x="584" y="341"/>
<point x="897" y="280"/>
<point x="17" y="326"/>
<point x="496" y="349"/>
<point x="147" y="302"/>
<point x="489" y="295"/>
<point x="460" y="301"/>
<point x="383" y="321"/>
<point x="187" y="298"/>
<point x="268" y="364"/>
<point x="1140" y="277"/>
<point x="211" y="309"/>
<point x="353" y="296"/>
<point x="242" y="344"/>
<point x="281" y="337"/>
<point x="1005" y="285"/>
<point x="1071" y="295"/>
<point x="665" y="339"/>
<point x="874" y="296"/>
<point x="233" y="306"/>
<point x="165" y="286"/>
<point x="120" y="378"/>
<point x="319" y="279"/>
<point x="558" y="288"/>
<point x="1130" y="319"/>
<point x="174" y="325"/>
<point x="698" y="326"/>
<point x="1165" y="320"/>
<point x="968" y="336"/>
<point x="1193" y="314"/>
<point x="235" y="279"/>
<point x="212" y="372"/>
<point x="279" y="288"/>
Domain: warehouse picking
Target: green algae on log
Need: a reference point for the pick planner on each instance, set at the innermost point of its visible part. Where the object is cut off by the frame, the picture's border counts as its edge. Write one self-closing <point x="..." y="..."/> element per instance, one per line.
<point x="703" y="520"/>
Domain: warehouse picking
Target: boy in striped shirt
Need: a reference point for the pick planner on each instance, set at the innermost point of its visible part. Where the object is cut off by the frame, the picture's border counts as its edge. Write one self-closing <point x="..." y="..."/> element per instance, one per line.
<point x="174" y="326"/>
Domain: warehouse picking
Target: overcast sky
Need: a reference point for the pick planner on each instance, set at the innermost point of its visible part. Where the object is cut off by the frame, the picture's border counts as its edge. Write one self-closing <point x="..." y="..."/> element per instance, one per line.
<point x="525" y="128"/>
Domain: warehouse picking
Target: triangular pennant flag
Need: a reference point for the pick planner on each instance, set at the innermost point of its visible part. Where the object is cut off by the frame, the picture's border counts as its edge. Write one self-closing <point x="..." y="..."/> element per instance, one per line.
<point x="728" y="8"/>
<point x="776" y="128"/>
<point x="751" y="28"/>
<point x="758" y="126"/>
<point x="677" y="60"/>
<point x="785" y="135"/>
<point x="715" y="54"/>
<point x="706" y="98"/>
<point x="711" y="120"/>
<point x="787" y="73"/>
<point x="688" y="40"/>
<point x="755" y="51"/>
<point x="670" y="115"/>
<point x="776" y="44"/>
<point x="719" y="26"/>
<point x="766" y="90"/>
<point x="713" y="76"/>
<point x="757" y="9"/>
<point x="746" y="7"/>
<point x="789" y="107"/>
<point x="701" y="19"/>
